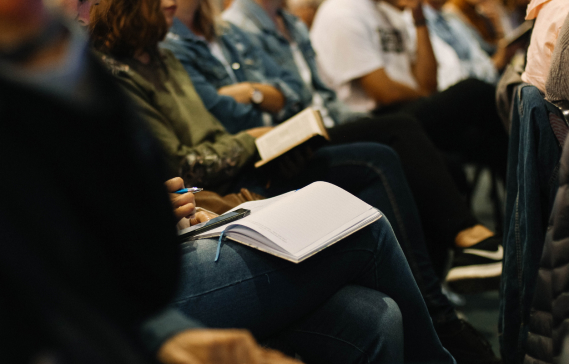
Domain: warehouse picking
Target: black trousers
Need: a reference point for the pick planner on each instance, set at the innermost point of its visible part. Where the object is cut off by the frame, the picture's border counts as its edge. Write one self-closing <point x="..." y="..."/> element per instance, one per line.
<point x="462" y="120"/>
<point x="442" y="208"/>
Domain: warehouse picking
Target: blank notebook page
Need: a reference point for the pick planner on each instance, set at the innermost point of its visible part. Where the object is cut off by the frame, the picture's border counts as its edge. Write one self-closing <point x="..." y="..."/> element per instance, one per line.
<point x="306" y="215"/>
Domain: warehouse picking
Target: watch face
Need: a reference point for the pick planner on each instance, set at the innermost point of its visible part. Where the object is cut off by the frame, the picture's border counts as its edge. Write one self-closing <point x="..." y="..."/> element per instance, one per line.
<point x="257" y="97"/>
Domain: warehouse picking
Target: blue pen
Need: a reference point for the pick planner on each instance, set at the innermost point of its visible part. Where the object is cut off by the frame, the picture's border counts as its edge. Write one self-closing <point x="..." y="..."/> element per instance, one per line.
<point x="191" y="189"/>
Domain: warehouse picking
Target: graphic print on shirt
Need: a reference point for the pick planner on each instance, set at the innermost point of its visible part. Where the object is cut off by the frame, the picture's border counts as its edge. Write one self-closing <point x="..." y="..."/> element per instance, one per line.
<point x="391" y="40"/>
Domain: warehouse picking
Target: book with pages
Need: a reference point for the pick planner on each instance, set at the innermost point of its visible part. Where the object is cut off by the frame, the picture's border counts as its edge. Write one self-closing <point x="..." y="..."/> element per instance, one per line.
<point x="298" y="224"/>
<point x="291" y="133"/>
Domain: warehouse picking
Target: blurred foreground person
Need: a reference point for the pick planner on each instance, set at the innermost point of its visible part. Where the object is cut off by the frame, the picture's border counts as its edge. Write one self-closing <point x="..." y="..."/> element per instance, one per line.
<point x="89" y="258"/>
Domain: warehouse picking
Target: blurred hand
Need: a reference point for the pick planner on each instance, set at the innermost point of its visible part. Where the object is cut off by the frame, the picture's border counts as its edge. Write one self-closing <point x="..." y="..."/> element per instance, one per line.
<point x="207" y="346"/>
<point x="410" y="4"/>
<point x="183" y="205"/>
<point x="241" y="92"/>
<point x="257" y="132"/>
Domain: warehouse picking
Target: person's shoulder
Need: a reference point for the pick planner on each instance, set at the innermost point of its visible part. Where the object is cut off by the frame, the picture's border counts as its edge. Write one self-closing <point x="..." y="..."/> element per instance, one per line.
<point x="241" y="20"/>
<point x="115" y="66"/>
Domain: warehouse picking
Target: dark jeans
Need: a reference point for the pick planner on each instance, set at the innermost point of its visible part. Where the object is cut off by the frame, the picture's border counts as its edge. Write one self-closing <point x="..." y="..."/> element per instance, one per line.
<point x="372" y="172"/>
<point x="355" y="302"/>
<point x="462" y="119"/>
<point x="530" y="191"/>
<point x="442" y="209"/>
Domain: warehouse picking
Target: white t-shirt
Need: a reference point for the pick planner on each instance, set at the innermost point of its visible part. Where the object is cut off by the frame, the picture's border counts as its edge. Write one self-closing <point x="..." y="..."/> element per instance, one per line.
<point x="356" y="37"/>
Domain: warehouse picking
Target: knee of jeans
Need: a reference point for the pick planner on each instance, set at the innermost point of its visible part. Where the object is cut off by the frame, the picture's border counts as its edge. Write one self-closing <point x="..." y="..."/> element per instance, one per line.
<point x="378" y="316"/>
<point x="385" y="329"/>
<point x="381" y="154"/>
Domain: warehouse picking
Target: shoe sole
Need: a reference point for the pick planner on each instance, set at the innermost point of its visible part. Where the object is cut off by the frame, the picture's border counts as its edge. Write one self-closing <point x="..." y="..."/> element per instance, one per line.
<point x="475" y="272"/>
<point x="480" y="278"/>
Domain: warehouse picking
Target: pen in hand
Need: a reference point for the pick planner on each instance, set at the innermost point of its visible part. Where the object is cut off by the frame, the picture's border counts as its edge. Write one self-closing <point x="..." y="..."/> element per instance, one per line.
<point x="193" y="190"/>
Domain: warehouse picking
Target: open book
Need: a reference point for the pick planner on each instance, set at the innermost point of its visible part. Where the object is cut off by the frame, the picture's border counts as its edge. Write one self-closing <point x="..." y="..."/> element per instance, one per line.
<point x="298" y="224"/>
<point x="303" y="126"/>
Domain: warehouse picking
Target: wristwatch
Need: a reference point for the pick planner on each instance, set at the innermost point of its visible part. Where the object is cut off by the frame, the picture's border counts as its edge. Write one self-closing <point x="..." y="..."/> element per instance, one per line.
<point x="257" y="96"/>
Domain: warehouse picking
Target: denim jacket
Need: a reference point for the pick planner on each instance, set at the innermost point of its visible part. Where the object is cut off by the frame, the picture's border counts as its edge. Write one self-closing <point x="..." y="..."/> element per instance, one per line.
<point x="250" y="17"/>
<point x="249" y="64"/>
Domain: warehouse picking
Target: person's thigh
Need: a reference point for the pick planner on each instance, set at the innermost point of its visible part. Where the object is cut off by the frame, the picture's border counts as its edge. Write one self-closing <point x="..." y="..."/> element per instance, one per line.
<point x="356" y="325"/>
<point x="247" y="288"/>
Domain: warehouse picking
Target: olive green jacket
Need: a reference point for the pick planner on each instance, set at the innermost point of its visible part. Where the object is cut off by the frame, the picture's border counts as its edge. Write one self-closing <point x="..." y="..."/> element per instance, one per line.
<point x="197" y="146"/>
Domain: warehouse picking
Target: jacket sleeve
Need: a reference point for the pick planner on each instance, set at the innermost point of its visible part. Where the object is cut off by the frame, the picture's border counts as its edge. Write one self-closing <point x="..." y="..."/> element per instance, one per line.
<point x="157" y="329"/>
<point x="234" y="116"/>
<point x="277" y="76"/>
<point x="209" y="163"/>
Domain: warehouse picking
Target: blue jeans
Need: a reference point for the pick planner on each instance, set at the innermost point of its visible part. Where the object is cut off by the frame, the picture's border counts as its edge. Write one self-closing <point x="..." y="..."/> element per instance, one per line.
<point x="354" y="302"/>
<point x="531" y="185"/>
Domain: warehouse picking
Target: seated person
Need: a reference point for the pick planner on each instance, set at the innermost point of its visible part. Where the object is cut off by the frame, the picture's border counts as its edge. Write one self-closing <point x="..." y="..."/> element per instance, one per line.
<point x="186" y="118"/>
<point x="483" y="19"/>
<point x="379" y="71"/>
<point x="101" y="261"/>
<point x="549" y="17"/>
<point x="96" y="260"/>
<point x="251" y="94"/>
<point x="453" y="31"/>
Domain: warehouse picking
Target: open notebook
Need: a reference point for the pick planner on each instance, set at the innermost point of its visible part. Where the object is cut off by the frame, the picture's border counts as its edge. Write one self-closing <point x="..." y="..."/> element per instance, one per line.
<point x="298" y="224"/>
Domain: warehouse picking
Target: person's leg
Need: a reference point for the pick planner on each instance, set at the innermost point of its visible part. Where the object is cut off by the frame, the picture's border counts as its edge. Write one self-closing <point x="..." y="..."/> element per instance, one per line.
<point x="373" y="172"/>
<point x="348" y="313"/>
<point x="463" y="119"/>
<point x="251" y="289"/>
<point x="442" y="209"/>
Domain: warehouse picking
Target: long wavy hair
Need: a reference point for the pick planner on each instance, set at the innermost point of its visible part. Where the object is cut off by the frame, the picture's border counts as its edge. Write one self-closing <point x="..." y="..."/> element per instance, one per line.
<point x="207" y="19"/>
<point x="123" y="27"/>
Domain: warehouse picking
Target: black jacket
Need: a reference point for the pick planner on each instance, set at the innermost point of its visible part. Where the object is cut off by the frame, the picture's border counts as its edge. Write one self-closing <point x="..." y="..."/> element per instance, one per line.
<point x="549" y="320"/>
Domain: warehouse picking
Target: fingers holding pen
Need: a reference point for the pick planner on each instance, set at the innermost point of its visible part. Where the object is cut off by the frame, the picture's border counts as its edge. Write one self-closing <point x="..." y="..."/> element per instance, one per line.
<point x="184" y="205"/>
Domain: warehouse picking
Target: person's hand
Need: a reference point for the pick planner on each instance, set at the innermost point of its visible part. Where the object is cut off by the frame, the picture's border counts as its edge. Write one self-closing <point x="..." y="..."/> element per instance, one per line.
<point x="207" y="346"/>
<point x="241" y="92"/>
<point x="183" y="205"/>
<point x="201" y="216"/>
<point x="257" y="132"/>
<point x="409" y="4"/>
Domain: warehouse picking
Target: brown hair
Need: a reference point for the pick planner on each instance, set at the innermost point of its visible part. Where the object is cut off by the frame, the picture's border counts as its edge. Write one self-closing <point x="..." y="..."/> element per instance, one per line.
<point x="206" y="19"/>
<point x="123" y="27"/>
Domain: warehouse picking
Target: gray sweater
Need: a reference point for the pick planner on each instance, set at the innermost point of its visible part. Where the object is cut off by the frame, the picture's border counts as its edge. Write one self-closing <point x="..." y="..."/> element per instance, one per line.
<point x="557" y="84"/>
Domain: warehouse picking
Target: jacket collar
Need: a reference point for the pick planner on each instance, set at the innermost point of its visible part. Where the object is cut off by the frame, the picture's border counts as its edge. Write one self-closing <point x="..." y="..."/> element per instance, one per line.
<point x="259" y="16"/>
<point x="180" y="30"/>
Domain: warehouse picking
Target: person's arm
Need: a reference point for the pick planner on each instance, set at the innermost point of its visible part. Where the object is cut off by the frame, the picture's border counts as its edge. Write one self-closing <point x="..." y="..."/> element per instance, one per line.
<point x="205" y="346"/>
<point x="425" y="67"/>
<point x="276" y="77"/>
<point x="235" y="116"/>
<point x="285" y="81"/>
<point x="386" y="91"/>
<point x="211" y="162"/>
<point x="273" y="99"/>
